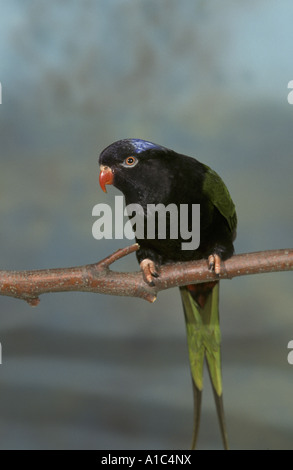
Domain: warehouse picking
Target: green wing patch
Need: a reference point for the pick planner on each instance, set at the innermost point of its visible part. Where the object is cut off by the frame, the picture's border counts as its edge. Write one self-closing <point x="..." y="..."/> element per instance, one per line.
<point x="219" y="195"/>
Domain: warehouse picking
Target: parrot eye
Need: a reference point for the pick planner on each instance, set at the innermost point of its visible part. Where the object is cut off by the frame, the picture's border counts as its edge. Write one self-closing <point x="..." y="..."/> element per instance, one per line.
<point x="130" y="161"/>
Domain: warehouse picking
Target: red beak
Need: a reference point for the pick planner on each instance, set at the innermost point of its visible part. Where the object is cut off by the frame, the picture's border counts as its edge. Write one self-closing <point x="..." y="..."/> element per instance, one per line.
<point x="106" y="177"/>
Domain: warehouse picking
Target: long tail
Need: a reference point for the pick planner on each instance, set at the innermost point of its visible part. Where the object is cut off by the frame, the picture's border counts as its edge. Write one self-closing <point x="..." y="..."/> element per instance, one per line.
<point x="201" y="310"/>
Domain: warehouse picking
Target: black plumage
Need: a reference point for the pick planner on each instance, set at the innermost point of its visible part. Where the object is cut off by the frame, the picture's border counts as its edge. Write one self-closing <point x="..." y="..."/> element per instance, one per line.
<point x="148" y="173"/>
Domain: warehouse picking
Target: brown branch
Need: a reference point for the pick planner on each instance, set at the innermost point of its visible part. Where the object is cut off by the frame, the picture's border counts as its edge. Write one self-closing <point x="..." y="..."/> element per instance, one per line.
<point x="98" y="278"/>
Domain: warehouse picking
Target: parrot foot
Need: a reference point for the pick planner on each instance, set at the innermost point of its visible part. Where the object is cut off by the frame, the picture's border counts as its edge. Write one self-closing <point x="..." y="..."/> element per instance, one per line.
<point x="149" y="270"/>
<point x="215" y="263"/>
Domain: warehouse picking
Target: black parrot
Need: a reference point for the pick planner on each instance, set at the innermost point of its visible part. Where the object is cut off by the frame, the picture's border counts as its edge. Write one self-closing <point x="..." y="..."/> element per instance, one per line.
<point x="148" y="173"/>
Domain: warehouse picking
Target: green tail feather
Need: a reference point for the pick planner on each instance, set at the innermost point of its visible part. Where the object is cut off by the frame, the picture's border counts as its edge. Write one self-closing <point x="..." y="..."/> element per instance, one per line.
<point x="203" y="339"/>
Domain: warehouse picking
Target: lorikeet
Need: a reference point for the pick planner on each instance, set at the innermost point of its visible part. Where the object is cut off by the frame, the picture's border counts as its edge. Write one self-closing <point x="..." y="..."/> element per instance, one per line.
<point x="148" y="173"/>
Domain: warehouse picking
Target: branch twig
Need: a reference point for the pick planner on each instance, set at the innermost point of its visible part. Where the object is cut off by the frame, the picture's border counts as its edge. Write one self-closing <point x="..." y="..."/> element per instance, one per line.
<point x="98" y="278"/>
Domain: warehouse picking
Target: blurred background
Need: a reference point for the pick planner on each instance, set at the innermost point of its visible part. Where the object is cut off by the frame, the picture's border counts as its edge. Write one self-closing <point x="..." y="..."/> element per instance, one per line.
<point x="85" y="371"/>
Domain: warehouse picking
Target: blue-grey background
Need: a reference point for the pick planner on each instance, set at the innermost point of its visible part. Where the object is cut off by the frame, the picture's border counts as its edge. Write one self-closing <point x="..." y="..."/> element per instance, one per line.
<point x="208" y="79"/>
